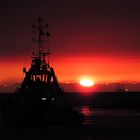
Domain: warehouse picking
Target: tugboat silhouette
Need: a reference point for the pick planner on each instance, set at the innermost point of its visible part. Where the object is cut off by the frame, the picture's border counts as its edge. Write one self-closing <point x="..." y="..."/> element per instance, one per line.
<point x="40" y="99"/>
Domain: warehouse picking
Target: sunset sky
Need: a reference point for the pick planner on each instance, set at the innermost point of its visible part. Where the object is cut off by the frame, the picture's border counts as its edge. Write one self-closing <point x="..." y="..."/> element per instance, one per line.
<point x="95" y="38"/>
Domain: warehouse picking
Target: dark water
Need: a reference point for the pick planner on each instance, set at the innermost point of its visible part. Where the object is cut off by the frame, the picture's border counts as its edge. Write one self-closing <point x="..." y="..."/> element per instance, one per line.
<point x="99" y="124"/>
<point x="109" y="116"/>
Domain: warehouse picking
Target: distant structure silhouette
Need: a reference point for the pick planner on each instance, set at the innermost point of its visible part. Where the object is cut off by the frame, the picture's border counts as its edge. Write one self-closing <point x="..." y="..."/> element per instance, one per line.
<point x="120" y="87"/>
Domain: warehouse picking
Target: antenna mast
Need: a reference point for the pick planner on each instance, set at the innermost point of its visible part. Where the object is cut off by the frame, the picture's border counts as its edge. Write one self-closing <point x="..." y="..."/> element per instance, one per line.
<point x="41" y="36"/>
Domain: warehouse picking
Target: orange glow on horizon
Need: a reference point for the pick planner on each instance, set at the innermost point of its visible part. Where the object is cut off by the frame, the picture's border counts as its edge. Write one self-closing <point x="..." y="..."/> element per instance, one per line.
<point x="12" y="70"/>
<point x="102" y="69"/>
<point x="71" y="68"/>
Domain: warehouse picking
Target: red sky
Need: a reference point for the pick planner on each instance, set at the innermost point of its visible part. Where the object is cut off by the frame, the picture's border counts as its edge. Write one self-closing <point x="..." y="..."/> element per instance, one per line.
<point x="72" y="69"/>
<point x="99" y="39"/>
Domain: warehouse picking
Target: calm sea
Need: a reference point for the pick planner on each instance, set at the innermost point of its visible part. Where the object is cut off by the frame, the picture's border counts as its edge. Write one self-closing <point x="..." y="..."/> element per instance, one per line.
<point x="109" y="116"/>
<point x="99" y="124"/>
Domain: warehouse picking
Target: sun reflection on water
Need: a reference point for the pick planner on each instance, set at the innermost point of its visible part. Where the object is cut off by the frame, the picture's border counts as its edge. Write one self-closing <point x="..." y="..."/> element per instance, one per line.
<point x="88" y="113"/>
<point x="86" y="110"/>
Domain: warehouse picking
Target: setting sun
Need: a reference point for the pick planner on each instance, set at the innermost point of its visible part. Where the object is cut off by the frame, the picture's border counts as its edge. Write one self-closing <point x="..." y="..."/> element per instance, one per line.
<point x="87" y="82"/>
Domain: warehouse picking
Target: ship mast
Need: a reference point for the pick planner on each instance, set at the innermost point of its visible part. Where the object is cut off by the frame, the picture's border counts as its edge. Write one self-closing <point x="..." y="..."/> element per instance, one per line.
<point x="40" y="37"/>
<point x="40" y="74"/>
